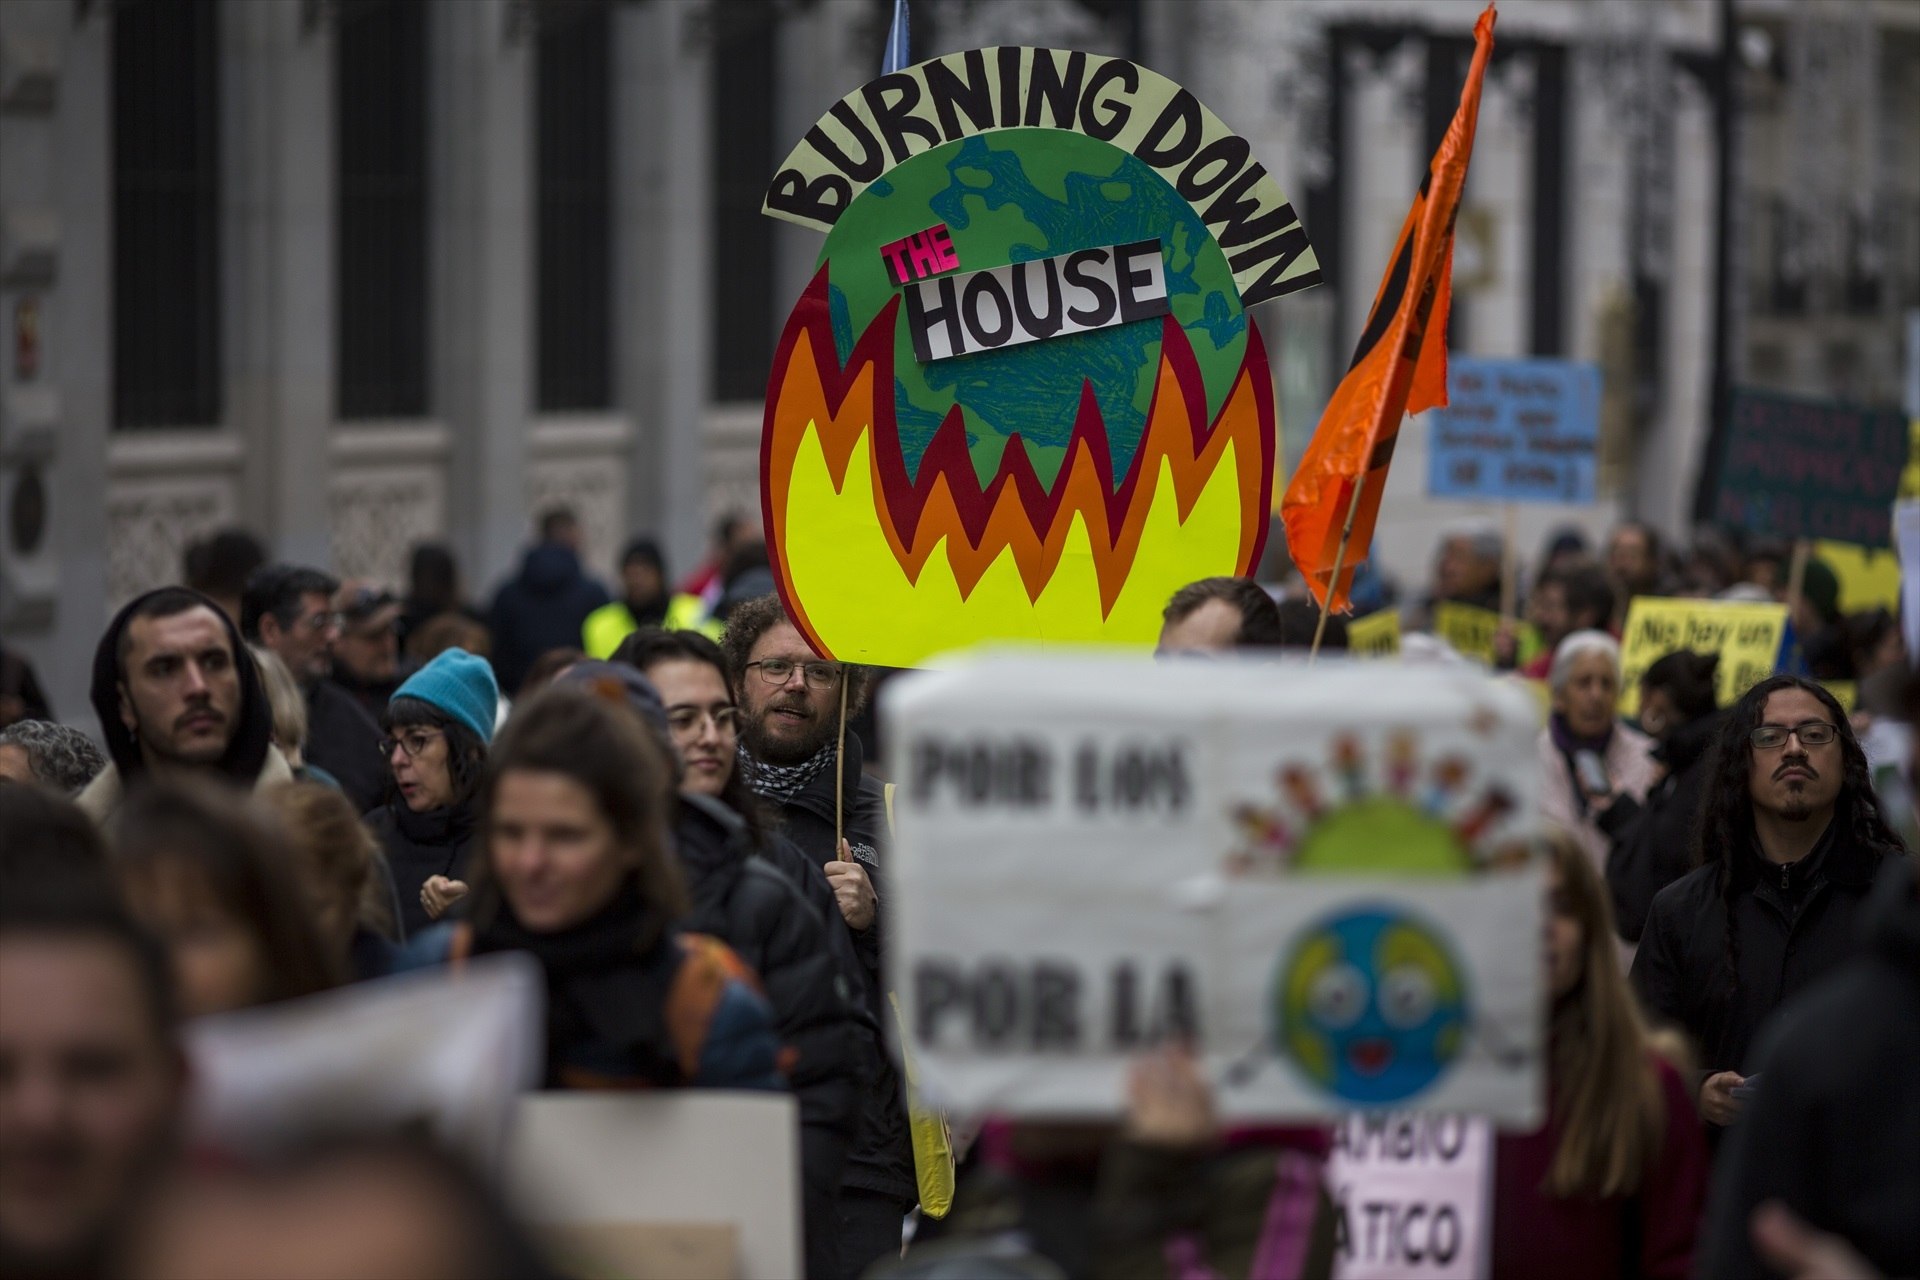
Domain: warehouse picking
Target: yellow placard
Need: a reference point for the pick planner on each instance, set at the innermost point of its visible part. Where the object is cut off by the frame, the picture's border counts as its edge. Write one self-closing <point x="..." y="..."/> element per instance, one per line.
<point x="1845" y="692"/>
<point x="1375" y="636"/>
<point x="1468" y="628"/>
<point x="1472" y="630"/>
<point x="1746" y="636"/>
<point x="1869" y="576"/>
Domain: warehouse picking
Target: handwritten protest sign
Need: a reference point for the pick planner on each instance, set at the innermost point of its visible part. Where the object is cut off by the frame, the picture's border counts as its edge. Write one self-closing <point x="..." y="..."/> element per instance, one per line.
<point x="1093" y="854"/>
<point x="1746" y="636"/>
<point x="1375" y="636"/>
<point x="1471" y="631"/>
<point x="1515" y="431"/>
<point x="1412" y="1197"/>
<point x="1798" y="468"/>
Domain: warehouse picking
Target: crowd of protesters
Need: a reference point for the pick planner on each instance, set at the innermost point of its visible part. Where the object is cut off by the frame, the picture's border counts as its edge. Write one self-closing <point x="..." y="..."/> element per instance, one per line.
<point x="310" y="783"/>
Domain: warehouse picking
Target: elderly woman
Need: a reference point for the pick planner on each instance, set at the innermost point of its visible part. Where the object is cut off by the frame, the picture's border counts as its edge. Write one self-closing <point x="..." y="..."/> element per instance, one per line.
<point x="1587" y="756"/>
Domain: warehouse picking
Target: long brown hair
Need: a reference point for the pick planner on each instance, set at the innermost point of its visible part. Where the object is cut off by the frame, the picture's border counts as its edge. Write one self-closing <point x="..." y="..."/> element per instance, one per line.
<point x="1606" y="1093"/>
<point x="602" y="746"/>
<point x="211" y="834"/>
<point x="323" y="831"/>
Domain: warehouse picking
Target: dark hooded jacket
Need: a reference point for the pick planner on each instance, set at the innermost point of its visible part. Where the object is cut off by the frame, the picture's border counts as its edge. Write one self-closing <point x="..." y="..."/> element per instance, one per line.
<point x="418" y="846"/>
<point x="1833" y="1129"/>
<point x="1653" y="842"/>
<point x="882" y="1158"/>
<point x="345" y="741"/>
<point x="542" y="607"/>
<point x="249" y="755"/>
<point x="1794" y="924"/>
<point x="741" y="900"/>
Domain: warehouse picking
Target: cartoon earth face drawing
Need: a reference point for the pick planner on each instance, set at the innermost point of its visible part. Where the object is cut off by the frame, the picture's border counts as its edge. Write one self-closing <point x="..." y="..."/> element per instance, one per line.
<point x="1371" y="1005"/>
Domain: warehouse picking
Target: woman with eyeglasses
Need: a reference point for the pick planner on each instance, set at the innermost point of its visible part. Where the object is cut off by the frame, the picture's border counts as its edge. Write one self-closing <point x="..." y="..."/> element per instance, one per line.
<point x="1790" y="839"/>
<point x="437" y="728"/>
<point x="756" y="892"/>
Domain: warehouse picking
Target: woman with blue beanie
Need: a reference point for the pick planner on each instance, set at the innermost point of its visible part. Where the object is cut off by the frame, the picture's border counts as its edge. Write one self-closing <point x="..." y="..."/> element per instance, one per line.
<point x="437" y="728"/>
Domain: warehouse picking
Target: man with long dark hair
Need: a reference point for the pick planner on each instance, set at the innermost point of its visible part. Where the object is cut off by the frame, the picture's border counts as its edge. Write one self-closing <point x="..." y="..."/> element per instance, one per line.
<point x="1790" y="839"/>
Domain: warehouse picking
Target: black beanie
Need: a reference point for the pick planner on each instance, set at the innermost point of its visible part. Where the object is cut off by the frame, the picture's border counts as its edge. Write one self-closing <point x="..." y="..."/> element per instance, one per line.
<point x="252" y="736"/>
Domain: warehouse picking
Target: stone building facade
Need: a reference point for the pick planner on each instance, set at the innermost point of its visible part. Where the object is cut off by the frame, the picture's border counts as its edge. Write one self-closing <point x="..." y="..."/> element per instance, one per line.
<point x="357" y="273"/>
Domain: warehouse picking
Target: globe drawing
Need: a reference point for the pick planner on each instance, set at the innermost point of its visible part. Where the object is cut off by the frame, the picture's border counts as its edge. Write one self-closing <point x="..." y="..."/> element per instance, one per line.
<point x="1022" y="195"/>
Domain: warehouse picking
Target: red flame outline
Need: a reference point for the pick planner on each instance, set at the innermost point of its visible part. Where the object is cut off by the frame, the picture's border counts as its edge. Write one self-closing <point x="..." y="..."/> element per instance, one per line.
<point x="947" y="455"/>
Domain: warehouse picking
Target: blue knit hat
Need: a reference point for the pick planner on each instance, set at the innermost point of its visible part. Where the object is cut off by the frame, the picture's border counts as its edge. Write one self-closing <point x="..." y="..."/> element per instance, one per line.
<point x="460" y="685"/>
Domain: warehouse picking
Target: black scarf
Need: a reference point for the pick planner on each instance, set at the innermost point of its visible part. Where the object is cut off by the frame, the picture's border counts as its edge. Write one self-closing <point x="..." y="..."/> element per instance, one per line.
<point x="782" y="782"/>
<point x="605" y="994"/>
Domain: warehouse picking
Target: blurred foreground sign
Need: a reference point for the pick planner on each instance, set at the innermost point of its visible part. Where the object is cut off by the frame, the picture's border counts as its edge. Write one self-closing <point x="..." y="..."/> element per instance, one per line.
<point x="671" y="1182"/>
<point x="1290" y="865"/>
<point x="441" y="1051"/>
<point x="1412" y="1197"/>
<point x="1797" y="468"/>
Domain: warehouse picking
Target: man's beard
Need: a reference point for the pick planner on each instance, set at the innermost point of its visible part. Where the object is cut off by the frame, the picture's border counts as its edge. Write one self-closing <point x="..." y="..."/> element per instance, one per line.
<point x="763" y="746"/>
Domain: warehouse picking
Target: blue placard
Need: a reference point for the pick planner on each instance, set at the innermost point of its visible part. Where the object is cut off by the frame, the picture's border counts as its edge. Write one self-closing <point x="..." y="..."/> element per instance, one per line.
<point x="1515" y="431"/>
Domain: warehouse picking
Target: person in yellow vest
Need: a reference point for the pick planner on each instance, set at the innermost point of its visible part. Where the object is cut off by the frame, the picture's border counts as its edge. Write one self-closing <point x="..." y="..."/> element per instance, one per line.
<point x="643" y="602"/>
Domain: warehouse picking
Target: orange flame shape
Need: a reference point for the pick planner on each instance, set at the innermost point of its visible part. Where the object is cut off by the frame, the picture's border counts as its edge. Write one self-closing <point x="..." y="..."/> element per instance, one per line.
<point x="820" y="413"/>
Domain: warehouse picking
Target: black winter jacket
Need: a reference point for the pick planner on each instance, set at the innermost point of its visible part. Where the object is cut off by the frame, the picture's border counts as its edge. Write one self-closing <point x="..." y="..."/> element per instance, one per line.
<point x="882" y="1159"/>
<point x="418" y="845"/>
<point x="345" y="741"/>
<point x="1834" y="1126"/>
<point x="542" y="607"/>
<point x="741" y="900"/>
<point x="1681" y="970"/>
<point x="1653" y="842"/>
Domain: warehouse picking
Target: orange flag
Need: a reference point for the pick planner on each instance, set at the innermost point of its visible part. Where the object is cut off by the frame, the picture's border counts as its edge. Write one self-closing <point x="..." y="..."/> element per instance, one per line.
<point x="1399" y="367"/>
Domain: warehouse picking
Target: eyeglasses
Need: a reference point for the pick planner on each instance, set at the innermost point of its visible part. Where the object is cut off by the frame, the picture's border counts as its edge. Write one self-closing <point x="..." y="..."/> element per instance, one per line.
<point x="412" y="744"/>
<point x="1812" y="733"/>
<point x="689" y="719"/>
<point x="321" y="621"/>
<point x="777" y="671"/>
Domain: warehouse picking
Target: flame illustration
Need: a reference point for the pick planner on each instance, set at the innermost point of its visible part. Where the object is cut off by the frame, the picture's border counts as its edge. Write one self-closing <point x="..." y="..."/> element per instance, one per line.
<point x="879" y="566"/>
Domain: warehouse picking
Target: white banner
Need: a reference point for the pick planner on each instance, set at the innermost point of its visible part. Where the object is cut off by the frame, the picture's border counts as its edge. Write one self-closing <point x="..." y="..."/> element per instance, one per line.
<point x="1287" y="864"/>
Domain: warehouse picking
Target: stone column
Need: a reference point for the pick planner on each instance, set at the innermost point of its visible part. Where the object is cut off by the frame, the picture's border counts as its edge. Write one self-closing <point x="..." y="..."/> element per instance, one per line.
<point x="662" y="264"/>
<point x="480" y="73"/>
<point x="277" y="159"/>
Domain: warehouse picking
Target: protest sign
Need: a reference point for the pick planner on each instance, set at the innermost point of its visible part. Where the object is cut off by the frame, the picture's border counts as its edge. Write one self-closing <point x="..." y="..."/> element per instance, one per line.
<point x="1906" y="537"/>
<point x="1869" y="576"/>
<point x="1022" y="397"/>
<point x="1471" y="631"/>
<point x="1412" y="1197"/>
<point x="1375" y="636"/>
<point x="1746" y="636"/>
<point x="441" y="1050"/>
<point x="1515" y="431"/>
<point x="1797" y="468"/>
<point x="629" y="1176"/>
<point x="1288" y="864"/>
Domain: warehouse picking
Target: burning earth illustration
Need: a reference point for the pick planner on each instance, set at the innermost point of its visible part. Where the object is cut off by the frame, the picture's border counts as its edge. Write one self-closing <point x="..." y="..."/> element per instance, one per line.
<point x="1056" y="491"/>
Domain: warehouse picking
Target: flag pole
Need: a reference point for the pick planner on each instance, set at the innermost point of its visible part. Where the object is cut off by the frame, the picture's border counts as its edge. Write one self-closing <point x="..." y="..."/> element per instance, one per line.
<point x="840" y="767"/>
<point x="1339" y="560"/>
